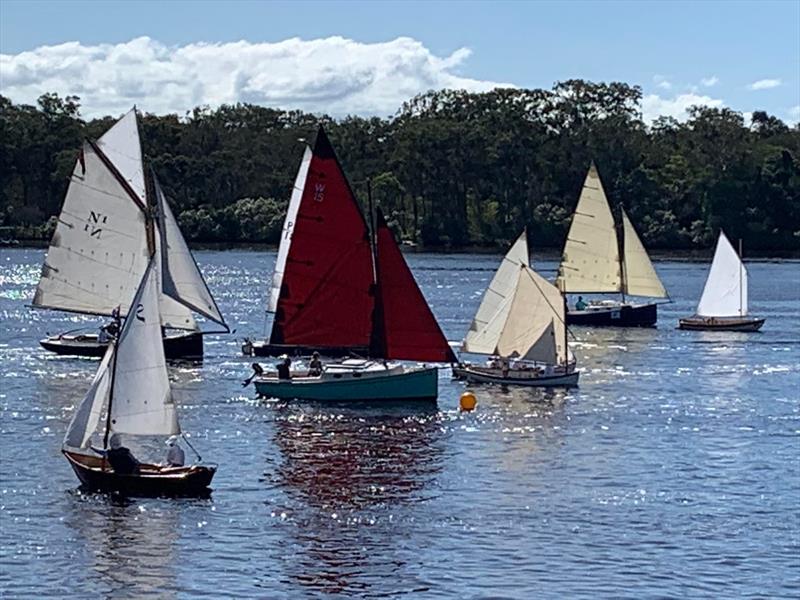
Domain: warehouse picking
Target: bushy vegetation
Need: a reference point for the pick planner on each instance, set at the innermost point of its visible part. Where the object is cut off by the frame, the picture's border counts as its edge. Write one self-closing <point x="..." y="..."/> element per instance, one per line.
<point x="451" y="168"/>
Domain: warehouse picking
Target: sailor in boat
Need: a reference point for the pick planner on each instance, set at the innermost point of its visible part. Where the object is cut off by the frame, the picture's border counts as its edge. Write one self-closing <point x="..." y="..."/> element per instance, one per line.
<point x="315" y="366"/>
<point x="175" y="454"/>
<point x="284" y="368"/>
<point x="119" y="457"/>
<point x="580" y="304"/>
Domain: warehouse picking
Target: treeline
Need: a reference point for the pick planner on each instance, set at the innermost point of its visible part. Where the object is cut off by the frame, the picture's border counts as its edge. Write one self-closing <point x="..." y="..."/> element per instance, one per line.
<point x="451" y="168"/>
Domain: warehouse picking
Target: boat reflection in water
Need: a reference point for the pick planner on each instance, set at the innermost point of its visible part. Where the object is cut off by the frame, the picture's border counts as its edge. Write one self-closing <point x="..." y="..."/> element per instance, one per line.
<point x="130" y="547"/>
<point x="351" y="476"/>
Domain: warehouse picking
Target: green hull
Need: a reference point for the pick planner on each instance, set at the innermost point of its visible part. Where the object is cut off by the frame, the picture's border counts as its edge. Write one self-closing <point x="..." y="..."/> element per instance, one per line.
<point x="419" y="384"/>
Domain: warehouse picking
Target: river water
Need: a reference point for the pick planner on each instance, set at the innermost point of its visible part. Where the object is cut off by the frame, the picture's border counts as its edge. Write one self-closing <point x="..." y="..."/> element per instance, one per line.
<point x="672" y="471"/>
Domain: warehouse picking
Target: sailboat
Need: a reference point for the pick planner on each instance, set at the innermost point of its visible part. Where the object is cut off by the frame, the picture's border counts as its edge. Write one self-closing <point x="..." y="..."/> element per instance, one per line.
<point x="99" y="250"/>
<point x="520" y="323"/>
<point x="723" y="305"/>
<point x="133" y="385"/>
<point x="593" y="264"/>
<point x="338" y="288"/>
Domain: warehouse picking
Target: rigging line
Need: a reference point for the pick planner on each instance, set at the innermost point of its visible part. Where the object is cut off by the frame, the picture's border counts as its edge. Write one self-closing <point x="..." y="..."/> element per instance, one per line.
<point x="546" y="299"/>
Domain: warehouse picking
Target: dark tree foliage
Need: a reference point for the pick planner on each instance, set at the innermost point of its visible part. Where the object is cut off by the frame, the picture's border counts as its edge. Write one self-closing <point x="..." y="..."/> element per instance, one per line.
<point x="451" y="168"/>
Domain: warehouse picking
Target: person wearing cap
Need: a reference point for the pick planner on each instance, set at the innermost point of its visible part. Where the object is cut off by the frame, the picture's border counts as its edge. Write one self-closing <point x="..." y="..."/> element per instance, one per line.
<point x="121" y="458"/>
<point x="315" y="366"/>
<point x="284" y="372"/>
<point x="175" y="455"/>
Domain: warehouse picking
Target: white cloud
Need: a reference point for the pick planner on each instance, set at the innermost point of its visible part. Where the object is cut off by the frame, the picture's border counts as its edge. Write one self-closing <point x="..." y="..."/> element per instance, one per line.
<point x="710" y="81"/>
<point x="764" y="84"/>
<point x="794" y="115"/>
<point x="334" y="75"/>
<point x="654" y="106"/>
<point x="662" y="82"/>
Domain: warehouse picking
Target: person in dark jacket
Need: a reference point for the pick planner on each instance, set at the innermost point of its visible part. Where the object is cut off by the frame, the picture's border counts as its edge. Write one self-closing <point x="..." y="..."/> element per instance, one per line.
<point x="121" y="458"/>
<point x="315" y="366"/>
<point x="284" y="372"/>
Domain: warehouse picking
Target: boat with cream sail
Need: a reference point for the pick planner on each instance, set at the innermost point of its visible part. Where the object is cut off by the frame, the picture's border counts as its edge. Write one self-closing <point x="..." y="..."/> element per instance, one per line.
<point x="99" y="250"/>
<point x="132" y="386"/>
<point x="343" y="287"/>
<point x="723" y="305"/>
<point x="592" y="263"/>
<point x="520" y="324"/>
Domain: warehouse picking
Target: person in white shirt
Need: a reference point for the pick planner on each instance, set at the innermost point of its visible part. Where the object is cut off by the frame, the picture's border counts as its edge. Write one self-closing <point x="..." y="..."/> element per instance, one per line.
<point x="175" y="455"/>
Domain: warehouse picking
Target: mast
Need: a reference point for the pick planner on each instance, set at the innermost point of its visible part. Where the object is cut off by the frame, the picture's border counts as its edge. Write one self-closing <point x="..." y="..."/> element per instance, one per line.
<point x="741" y="268"/>
<point x="111" y="393"/>
<point x="623" y="275"/>
<point x="377" y="338"/>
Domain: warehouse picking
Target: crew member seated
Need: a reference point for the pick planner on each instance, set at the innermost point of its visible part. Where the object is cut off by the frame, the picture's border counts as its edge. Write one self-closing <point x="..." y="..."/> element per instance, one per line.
<point x="315" y="366"/>
<point x="580" y="304"/>
<point x="284" y="372"/>
<point x="121" y="458"/>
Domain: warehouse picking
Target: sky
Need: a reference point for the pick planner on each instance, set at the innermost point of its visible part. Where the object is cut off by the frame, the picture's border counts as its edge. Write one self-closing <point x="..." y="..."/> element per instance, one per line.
<point x="367" y="58"/>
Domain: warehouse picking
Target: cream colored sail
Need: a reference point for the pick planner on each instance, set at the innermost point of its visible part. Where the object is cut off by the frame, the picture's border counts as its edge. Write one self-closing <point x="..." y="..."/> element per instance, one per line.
<point x="535" y="327"/>
<point x="99" y="248"/>
<point x="638" y="272"/>
<point x="87" y="416"/>
<point x="141" y="401"/>
<point x="485" y="329"/>
<point x="122" y="147"/>
<point x="590" y="262"/>
<point x="180" y="275"/>
<point x="288" y="228"/>
<point x="725" y="292"/>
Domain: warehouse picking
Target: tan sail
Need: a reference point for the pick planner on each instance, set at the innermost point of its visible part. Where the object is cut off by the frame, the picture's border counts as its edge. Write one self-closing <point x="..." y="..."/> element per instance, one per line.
<point x="535" y="328"/>
<point x="485" y="329"/>
<point x="590" y="263"/>
<point x="640" y="278"/>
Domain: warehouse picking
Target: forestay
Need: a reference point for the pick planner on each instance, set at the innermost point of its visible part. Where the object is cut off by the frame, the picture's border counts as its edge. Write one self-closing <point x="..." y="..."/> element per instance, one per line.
<point x="725" y="292"/>
<point x="535" y="328"/>
<point x="591" y="256"/>
<point x="99" y="248"/>
<point x="87" y="416"/>
<point x="181" y="278"/>
<point x="141" y="401"/>
<point x="485" y="328"/>
<point x="640" y="278"/>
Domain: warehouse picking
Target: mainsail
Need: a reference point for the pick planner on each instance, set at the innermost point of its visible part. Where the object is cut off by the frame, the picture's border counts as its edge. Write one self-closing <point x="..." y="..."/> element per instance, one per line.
<point x="122" y="146"/>
<point x="639" y="276"/>
<point x="591" y="255"/>
<point x="405" y="327"/>
<point x="496" y="302"/>
<point x="99" y="248"/>
<point x="725" y="292"/>
<point x="325" y="295"/>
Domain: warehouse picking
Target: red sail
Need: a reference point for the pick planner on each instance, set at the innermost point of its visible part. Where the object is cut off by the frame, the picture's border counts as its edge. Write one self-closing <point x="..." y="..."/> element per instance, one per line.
<point x="326" y="293"/>
<point x="405" y="326"/>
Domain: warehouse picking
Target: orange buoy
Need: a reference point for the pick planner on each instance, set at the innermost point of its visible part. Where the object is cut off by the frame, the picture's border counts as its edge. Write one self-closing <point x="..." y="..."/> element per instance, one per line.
<point x="467" y="401"/>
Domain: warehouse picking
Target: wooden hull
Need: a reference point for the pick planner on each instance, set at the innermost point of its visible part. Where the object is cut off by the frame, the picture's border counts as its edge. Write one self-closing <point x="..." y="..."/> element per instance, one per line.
<point x="267" y="349"/>
<point x="621" y="315"/>
<point x="153" y="480"/>
<point x="181" y="346"/>
<point x="515" y="377"/>
<point x="718" y="324"/>
<point x="416" y="384"/>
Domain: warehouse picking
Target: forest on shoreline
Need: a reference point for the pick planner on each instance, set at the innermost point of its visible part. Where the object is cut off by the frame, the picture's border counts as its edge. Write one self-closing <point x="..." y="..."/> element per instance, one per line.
<point x="451" y="169"/>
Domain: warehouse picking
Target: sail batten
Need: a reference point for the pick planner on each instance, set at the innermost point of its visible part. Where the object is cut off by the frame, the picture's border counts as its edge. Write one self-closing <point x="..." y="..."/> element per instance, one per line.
<point x="590" y="262"/>
<point x="725" y="291"/>
<point x="640" y="278"/>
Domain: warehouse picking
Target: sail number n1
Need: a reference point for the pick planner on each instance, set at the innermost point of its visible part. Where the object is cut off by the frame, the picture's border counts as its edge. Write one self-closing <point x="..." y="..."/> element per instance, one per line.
<point x="94" y="224"/>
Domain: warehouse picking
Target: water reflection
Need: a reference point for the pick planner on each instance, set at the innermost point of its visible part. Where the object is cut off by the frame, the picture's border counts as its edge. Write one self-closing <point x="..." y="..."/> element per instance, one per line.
<point x="130" y="545"/>
<point x="351" y="474"/>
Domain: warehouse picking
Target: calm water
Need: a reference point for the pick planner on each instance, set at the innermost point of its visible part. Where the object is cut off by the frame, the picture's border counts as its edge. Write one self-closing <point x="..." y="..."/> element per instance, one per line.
<point x="673" y="471"/>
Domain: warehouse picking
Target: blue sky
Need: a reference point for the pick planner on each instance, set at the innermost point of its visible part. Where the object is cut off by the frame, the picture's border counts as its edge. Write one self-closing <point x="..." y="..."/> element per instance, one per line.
<point x="711" y="52"/>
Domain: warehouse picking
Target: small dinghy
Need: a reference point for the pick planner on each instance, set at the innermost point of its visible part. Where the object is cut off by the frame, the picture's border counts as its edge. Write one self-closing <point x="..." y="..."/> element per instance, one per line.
<point x="132" y="383"/>
<point x="520" y="324"/>
<point x="592" y="263"/>
<point x="341" y="284"/>
<point x="102" y="242"/>
<point x="723" y="305"/>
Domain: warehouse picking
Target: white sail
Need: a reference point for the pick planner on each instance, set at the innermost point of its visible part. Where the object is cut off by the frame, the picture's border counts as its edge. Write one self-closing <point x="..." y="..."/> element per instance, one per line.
<point x="288" y="228"/>
<point x="485" y="329"/>
<point x="173" y="314"/>
<point x="180" y="275"/>
<point x="640" y="276"/>
<point x="87" y="416"/>
<point x="725" y="292"/>
<point x="99" y="248"/>
<point x="535" y="326"/>
<point x="141" y="401"/>
<point x="123" y="148"/>
<point x="591" y="256"/>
